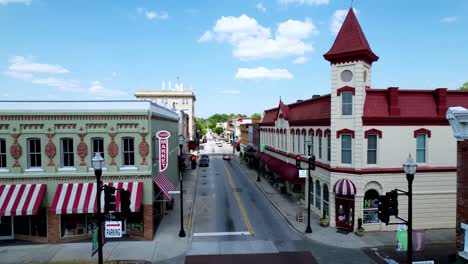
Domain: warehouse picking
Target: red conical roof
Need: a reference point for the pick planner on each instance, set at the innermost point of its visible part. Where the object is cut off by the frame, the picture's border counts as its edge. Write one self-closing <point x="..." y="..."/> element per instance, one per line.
<point x="350" y="43"/>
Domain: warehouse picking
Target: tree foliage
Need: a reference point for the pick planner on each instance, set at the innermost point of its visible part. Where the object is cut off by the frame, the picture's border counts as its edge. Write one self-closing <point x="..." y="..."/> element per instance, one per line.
<point x="256" y="116"/>
<point x="464" y="87"/>
<point x="218" y="130"/>
<point x="200" y="124"/>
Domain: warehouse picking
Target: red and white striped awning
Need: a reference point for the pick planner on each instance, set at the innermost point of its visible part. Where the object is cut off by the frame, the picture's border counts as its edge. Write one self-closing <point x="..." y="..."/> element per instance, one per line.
<point x="20" y="199"/>
<point x="80" y="198"/>
<point x="164" y="184"/>
<point x="344" y="187"/>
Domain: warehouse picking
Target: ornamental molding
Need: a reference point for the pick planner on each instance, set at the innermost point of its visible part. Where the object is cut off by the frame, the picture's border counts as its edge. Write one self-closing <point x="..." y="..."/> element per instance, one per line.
<point x="31" y="126"/>
<point x="50" y="150"/>
<point x="127" y="125"/>
<point x="96" y="125"/>
<point x="112" y="149"/>
<point x="82" y="149"/>
<point x="15" y="150"/>
<point x="72" y="179"/>
<point x="4" y="126"/>
<point x="458" y="119"/>
<point x="71" y="117"/>
<point x="65" y="126"/>
<point x="143" y="148"/>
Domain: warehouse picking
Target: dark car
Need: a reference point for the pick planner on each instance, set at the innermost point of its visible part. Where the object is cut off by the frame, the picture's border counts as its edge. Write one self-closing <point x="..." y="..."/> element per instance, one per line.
<point x="204" y="162"/>
<point x="204" y="156"/>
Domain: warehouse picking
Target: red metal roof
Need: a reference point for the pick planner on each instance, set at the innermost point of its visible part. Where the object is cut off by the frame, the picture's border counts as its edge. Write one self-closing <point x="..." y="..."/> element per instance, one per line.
<point x="269" y="117"/>
<point x="394" y="106"/>
<point x="350" y="43"/>
<point x="314" y="111"/>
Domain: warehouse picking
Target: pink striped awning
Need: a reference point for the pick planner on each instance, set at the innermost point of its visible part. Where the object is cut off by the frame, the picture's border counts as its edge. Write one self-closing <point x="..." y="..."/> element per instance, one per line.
<point x="164" y="184"/>
<point x="344" y="187"/>
<point x="20" y="199"/>
<point x="80" y="198"/>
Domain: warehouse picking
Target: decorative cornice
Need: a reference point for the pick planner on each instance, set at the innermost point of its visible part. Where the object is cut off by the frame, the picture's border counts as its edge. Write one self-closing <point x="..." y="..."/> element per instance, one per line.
<point x="345" y="89"/>
<point x="65" y="126"/>
<point x="372" y="131"/>
<point x="422" y="131"/>
<point x="344" y="132"/>
<point x="318" y="132"/>
<point x="4" y="126"/>
<point x="96" y="125"/>
<point x="72" y="117"/>
<point x="71" y="179"/>
<point x="32" y="126"/>
<point x="127" y="125"/>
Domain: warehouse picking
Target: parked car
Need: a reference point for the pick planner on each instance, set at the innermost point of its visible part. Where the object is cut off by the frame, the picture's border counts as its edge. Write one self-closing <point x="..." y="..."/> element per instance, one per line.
<point x="204" y="156"/>
<point x="226" y="157"/>
<point x="204" y="162"/>
<point x="219" y="144"/>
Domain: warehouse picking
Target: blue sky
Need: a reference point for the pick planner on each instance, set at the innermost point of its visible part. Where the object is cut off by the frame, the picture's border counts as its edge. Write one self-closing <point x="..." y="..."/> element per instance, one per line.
<point x="238" y="56"/>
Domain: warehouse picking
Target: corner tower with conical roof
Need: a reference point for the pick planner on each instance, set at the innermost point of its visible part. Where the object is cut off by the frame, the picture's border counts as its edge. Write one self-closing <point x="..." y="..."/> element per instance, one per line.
<point x="351" y="61"/>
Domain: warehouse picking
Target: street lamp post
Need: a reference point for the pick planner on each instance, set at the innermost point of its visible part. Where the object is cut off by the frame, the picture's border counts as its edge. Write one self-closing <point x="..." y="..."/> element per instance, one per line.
<point x="181" y="144"/>
<point x="410" y="169"/>
<point x="98" y="164"/>
<point x="310" y="166"/>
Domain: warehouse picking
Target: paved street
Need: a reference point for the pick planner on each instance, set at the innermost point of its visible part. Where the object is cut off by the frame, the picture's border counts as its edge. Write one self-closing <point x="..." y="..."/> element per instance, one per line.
<point x="232" y="216"/>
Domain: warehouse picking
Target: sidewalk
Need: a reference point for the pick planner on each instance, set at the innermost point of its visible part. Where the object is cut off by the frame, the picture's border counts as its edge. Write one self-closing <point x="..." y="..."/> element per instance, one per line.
<point x="288" y="208"/>
<point x="166" y="246"/>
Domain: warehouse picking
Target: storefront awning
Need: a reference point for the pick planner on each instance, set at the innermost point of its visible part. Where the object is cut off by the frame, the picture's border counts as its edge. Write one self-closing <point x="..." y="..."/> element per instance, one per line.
<point x="164" y="184"/>
<point x="80" y="198"/>
<point x="265" y="158"/>
<point x="20" y="199"/>
<point x="275" y="164"/>
<point x="344" y="187"/>
<point x="290" y="173"/>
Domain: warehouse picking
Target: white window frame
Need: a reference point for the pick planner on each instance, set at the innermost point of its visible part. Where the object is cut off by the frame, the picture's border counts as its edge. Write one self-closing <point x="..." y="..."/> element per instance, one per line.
<point x="350" y="149"/>
<point x="343" y="103"/>
<point x="375" y="150"/>
<point x="39" y="153"/>
<point x="424" y="149"/>
<point x="125" y="151"/>
<point x="63" y="153"/>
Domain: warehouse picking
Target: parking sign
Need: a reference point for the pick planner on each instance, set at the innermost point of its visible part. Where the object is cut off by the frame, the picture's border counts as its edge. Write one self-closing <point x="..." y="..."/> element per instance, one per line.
<point x="113" y="229"/>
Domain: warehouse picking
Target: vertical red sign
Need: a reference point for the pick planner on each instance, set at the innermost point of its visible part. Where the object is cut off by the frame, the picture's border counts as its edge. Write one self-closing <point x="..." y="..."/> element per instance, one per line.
<point x="163" y="137"/>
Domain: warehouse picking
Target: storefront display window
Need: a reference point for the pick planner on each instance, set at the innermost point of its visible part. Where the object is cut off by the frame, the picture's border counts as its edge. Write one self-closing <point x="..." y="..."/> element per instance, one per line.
<point x="325" y="199"/>
<point x="318" y="195"/>
<point x="135" y="223"/>
<point x="32" y="225"/>
<point x="76" y="224"/>
<point x="371" y="207"/>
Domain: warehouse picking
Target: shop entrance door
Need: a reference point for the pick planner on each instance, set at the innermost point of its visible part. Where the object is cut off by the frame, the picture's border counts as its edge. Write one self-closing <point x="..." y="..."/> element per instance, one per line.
<point x="6" y="227"/>
<point x="344" y="216"/>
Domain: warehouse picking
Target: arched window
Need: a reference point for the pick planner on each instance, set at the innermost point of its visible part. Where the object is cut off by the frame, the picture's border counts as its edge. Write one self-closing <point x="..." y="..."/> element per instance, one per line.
<point x="298" y="143"/>
<point x="371" y="207"/>
<point x="305" y="144"/>
<point x="318" y="195"/>
<point x="325" y="199"/>
<point x="311" y="190"/>
<point x="293" y="145"/>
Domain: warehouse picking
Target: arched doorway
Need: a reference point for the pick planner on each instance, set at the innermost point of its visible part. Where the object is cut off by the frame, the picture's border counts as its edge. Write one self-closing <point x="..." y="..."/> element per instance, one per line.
<point x="344" y="204"/>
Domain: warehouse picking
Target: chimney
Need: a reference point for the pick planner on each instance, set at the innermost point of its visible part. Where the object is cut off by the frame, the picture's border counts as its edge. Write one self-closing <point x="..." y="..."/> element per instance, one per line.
<point x="299" y="101"/>
<point x="441" y="101"/>
<point x="315" y="96"/>
<point x="393" y="104"/>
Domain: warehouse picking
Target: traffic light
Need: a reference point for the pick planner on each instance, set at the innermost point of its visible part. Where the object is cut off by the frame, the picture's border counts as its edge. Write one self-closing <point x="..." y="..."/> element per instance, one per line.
<point x="298" y="161"/>
<point x="384" y="217"/>
<point x="312" y="162"/>
<point x="125" y="202"/>
<point x="193" y="161"/>
<point x="392" y="198"/>
<point x="109" y="199"/>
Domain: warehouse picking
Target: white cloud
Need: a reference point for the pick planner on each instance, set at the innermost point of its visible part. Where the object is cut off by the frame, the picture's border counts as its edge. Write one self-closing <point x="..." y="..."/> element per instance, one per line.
<point x="156" y="15"/>
<point x="19" y="75"/>
<point x="230" y="92"/>
<point x="98" y="89"/>
<point x="263" y="73"/>
<point x="261" y="8"/>
<point x="62" y="84"/>
<point x="338" y="19"/>
<point x="207" y="36"/>
<point x="448" y="19"/>
<point x="304" y="2"/>
<point x="26" y="65"/>
<point x="6" y="2"/>
<point x="300" y="60"/>
<point x="251" y="40"/>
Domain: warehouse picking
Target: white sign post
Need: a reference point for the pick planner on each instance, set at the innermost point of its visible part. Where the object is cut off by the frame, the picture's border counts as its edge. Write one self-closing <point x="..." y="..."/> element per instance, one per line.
<point x="302" y="173"/>
<point x="113" y="229"/>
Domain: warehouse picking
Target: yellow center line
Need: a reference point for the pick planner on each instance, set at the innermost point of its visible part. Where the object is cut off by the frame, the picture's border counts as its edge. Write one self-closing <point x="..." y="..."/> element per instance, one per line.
<point x="239" y="203"/>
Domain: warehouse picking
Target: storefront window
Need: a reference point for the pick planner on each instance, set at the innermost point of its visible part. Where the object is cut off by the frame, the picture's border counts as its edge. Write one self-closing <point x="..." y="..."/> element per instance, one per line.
<point x="311" y="190"/>
<point x="31" y="225"/>
<point x="318" y="195"/>
<point x="371" y="207"/>
<point x="76" y="224"/>
<point x="325" y="199"/>
<point x="134" y="223"/>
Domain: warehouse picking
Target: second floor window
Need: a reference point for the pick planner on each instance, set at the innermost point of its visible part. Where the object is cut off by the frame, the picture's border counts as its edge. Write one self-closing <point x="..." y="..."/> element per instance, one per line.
<point x="421" y="148"/>
<point x="34" y="153"/>
<point x="305" y="144"/>
<point x="346" y="149"/>
<point x="328" y="147"/>
<point x="320" y="146"/>
<point x="293" y="145"/>
<point x="2" y="153"/>
<point x="98" y="147"/>
<point x="372" y="149"/>
<point x="128" y="151"/>
<point x="347" y="103"/>
<point x="68" y="158"/>
<point x="312" y="144"/>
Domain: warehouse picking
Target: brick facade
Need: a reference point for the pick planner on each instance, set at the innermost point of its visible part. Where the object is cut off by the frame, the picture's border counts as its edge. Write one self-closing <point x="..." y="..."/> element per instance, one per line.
<point x="462" y="190"/>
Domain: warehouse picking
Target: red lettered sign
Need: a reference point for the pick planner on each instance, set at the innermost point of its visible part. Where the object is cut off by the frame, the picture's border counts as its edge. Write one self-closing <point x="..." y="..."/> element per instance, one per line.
<point x="163" y="137"/>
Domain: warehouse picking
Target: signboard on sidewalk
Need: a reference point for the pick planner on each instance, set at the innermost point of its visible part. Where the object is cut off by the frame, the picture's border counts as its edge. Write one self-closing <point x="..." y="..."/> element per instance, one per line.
<point x="163" y="137"/>
<point x="113" y="229"/>
<point x="302" y="173"/>
<point x="95" y="247"/>
<point x="262" y="147"/>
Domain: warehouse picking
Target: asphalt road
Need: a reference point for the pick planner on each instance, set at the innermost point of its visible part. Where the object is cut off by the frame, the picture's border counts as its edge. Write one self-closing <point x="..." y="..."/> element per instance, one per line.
<point x="231" y="216"/>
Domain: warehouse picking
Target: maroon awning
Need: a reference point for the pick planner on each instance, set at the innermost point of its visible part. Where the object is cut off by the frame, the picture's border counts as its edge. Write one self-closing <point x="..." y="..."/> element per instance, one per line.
<point x="265" y="158"/>
<point x="275" y="164"/>
<point x="258" y="155"/>
<point x="290" y="173"/>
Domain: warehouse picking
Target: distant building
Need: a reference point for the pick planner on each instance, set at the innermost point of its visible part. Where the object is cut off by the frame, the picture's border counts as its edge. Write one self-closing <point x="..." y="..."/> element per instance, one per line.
<point x="178" y="98"/>
<point x="47" y="182"/>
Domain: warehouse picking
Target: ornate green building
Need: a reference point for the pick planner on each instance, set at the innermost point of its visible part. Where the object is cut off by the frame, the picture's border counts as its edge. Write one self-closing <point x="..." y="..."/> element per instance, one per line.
<point x="46" y="175"/>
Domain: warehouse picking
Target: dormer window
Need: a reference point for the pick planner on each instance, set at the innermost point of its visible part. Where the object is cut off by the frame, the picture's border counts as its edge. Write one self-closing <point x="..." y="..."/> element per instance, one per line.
<point x="347" y="103"/>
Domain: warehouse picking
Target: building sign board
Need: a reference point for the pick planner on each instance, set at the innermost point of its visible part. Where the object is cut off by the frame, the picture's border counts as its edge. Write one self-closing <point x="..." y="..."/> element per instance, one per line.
<point x="113" y="229"/>
<point x="163" y="137"/>
<point x="302" y="173"/>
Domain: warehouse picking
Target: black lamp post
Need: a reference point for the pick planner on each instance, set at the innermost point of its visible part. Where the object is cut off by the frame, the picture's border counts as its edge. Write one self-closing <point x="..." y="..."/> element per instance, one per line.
<point x="311" y="166"/>
<point x="410" y="169"/>
<point x="181" y="144"/>
<point x="98" y="164"/>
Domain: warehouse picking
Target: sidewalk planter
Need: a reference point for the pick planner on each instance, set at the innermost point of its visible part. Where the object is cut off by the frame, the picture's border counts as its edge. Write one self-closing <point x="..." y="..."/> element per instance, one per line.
<point x="325" y="220"/>
<point x="360" y="230"/>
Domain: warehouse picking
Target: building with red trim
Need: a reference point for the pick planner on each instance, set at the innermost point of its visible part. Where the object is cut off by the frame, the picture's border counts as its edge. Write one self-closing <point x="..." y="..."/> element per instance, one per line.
<point x="360" y="136"/>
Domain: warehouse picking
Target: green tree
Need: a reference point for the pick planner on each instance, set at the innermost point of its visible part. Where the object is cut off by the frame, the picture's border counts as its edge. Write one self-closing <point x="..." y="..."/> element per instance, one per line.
<point x="200" y="124"/>
<point x="464" y="87"/>
<point x="256" y="116"/>
<point x="218" y="130"/>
